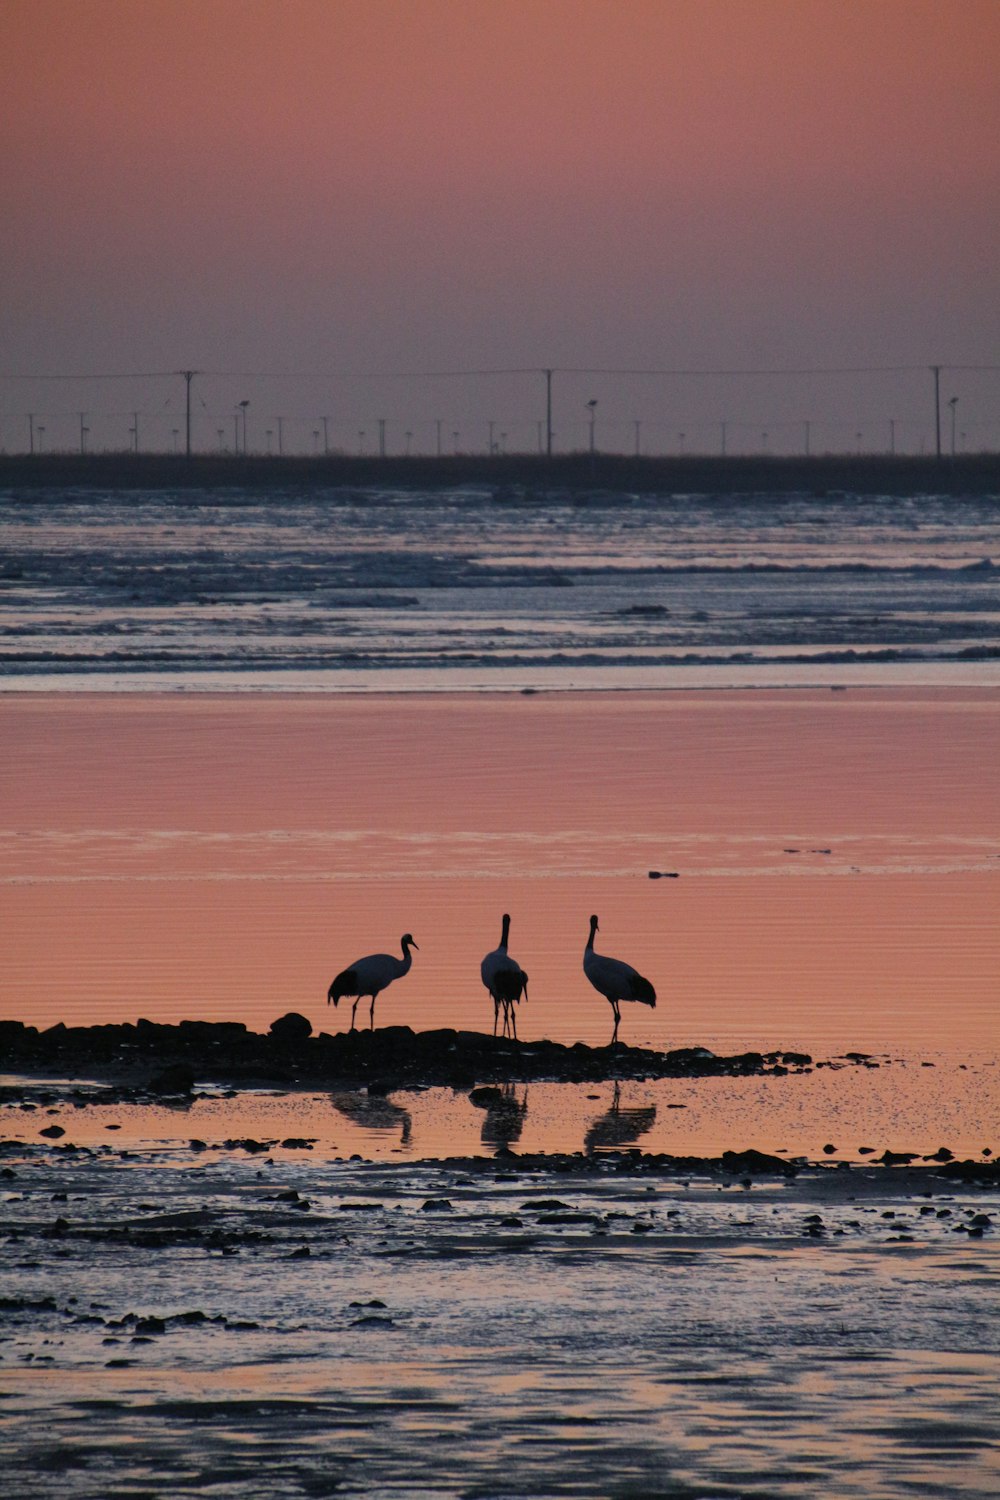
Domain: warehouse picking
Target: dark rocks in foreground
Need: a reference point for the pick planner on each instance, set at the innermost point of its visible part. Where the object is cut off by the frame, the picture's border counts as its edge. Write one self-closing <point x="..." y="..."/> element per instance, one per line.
<point x="168" y="1059"/>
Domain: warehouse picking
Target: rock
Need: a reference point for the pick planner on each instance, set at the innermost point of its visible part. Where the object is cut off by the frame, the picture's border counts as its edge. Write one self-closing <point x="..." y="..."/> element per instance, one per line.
<point x="828" y="1150"/>
<point x="178" y="1078"/>
<point x="291" y="1027"/>
<point x="148" y="1326"/>
<point x="53" y="1132"/>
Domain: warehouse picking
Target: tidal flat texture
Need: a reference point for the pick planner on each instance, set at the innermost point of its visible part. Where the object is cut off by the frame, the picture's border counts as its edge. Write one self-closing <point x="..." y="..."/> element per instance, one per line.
<point x="255" y="1325"/>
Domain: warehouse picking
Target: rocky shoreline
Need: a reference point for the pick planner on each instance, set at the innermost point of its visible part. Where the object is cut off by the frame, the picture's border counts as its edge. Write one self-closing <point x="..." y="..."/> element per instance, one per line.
<point x="170" y="1059"/>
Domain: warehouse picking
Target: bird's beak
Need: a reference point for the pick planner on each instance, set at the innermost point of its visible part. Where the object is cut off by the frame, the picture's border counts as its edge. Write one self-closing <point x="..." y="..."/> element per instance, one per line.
<point x="414" y="945"/>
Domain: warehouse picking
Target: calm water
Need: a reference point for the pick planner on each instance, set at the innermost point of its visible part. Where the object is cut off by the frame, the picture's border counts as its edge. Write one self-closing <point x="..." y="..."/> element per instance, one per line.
<point x="837" y="856"/>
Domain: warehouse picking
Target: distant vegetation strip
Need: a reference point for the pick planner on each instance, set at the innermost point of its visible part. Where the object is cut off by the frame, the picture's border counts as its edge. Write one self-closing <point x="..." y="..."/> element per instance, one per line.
<point x="508" y="474"/>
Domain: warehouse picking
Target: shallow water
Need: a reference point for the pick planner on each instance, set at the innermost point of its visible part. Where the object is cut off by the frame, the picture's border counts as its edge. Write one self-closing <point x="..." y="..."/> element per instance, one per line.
<point x="837" y="1111"/>
<point x="377" y="590"/>
<point x="362" y="1330"/>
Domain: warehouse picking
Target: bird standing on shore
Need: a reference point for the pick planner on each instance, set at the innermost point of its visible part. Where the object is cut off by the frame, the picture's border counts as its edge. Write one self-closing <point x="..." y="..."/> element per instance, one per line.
<point x="615" y="980"/>
<point x="369" y="976"/>
<point x="505" y="980"/>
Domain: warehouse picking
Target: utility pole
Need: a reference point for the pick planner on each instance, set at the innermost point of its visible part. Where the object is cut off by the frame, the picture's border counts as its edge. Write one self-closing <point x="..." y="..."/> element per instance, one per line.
<point x="281" y="436"/>
<point x="31" y="433"/>
<point x="805" y="428"/>
<point x="437" y="423"/>
<point x="326" y="438"/>
<point x="381" y="437"/>
<point x="937" y="409"/>
<point x="892" y="436"/>
<point x="548" y="413"/>
<point x="637" y="424"/>
<point x="492" y="425"/>
<point x="135" y="432"/>
<point x="722" y="447"/>
<point x="188" y="377"/>
<point x="83" y="432"/>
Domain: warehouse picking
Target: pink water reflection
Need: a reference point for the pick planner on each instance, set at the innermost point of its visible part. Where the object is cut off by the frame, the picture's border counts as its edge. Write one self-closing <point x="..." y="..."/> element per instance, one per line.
<point x="222" y="858"/>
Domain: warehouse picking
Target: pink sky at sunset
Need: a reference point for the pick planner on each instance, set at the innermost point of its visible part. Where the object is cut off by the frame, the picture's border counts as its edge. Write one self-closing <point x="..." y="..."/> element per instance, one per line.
<point x="364" y="185"/>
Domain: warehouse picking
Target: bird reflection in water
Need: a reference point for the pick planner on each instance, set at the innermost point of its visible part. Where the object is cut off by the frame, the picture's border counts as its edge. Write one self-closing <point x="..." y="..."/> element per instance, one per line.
<point x="374" y="1112"/>
<point x="505" y="1114"/>
<point x="618" y="1126"/>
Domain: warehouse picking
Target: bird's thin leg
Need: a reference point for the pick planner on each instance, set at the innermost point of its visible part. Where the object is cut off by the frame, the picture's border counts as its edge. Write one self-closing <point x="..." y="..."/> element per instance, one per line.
<point x="371" y="1016"/>
<point x="496" y="1014"/>
<point x="513" y="1021"/>
<point x="354" y="1011"/>
<point x="618" y="1016"/>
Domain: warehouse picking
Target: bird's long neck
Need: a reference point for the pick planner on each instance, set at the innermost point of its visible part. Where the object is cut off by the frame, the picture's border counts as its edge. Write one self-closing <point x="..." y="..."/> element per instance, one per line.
<point x="590" y="940"/>
<point x="407" y="957"/>
<point x="505" y="933"/>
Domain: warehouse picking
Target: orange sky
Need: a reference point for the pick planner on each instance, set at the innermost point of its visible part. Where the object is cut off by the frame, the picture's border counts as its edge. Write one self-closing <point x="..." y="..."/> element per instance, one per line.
<point x="363" y="184"/>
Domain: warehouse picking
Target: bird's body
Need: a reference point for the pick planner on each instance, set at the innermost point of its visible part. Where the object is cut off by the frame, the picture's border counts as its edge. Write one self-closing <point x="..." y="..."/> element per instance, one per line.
<point x="370" y="976"/>
<point x="615" y="980"/>
<point x="505" y="980"/>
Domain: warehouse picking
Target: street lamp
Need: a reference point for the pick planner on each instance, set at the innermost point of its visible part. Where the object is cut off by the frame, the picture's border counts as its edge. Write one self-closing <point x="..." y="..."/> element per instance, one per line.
<point x="953" y="402"/>
<point x="592" y="408"/>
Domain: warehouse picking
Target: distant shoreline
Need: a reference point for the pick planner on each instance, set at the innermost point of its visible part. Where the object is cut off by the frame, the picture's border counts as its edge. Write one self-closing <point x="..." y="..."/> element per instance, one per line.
<point x="514" y="476"/>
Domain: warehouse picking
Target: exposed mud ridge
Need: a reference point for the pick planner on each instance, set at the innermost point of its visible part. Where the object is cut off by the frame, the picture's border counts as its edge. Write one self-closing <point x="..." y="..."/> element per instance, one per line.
<point x="172" y="1059"/>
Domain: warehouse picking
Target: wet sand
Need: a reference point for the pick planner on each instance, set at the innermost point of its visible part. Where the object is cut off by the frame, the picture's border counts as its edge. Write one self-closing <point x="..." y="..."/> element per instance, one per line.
<point x="477" y="1328"/>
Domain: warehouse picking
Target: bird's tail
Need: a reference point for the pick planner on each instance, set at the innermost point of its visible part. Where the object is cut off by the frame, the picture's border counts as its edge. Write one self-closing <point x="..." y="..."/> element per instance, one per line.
<point x="345" y="983"/>
<point x="643" y="991"/>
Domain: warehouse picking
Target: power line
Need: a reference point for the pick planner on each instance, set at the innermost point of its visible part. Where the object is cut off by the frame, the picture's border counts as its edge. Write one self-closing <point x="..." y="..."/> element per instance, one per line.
<point x="772" y="371"/>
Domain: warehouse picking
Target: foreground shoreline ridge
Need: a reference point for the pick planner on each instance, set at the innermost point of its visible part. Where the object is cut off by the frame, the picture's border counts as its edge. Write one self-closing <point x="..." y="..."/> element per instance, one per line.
<point x="390" y="1056"/>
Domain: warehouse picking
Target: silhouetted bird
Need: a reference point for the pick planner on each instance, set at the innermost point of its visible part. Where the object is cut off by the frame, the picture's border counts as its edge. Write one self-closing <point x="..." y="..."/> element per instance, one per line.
<point x="615" y="980"/>
<point x="505" y="980"/>
<point x="369" y="976"/>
